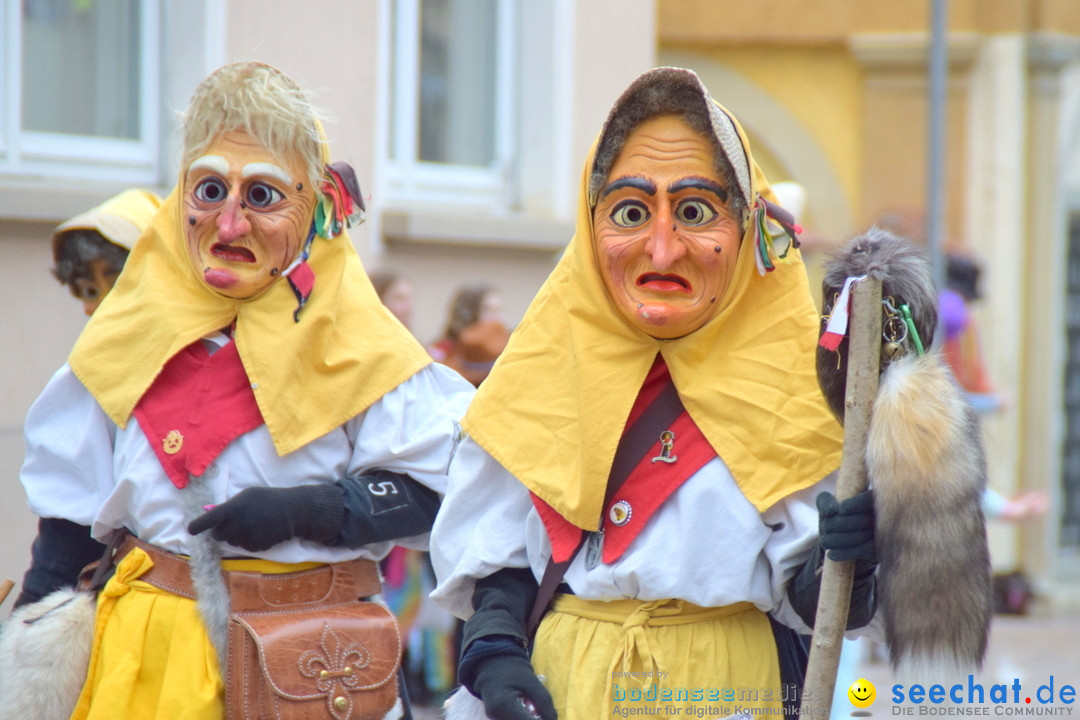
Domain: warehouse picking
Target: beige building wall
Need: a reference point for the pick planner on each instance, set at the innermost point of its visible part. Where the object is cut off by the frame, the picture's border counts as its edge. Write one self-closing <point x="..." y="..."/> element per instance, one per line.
<point x="600" y="46"/>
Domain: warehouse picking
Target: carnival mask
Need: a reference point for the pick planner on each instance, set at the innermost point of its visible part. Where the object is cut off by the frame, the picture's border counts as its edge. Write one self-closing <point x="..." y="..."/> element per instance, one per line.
<point x="666" y="242"/>
<point x="247" y="214"/>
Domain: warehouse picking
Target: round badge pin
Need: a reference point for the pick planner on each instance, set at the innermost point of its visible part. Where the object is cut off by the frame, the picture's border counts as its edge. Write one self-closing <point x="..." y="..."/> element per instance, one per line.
<point x="620" y="513"/>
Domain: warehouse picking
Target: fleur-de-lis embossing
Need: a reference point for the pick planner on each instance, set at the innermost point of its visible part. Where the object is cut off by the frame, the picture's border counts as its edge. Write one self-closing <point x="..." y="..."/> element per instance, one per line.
<point x="334" y="667"/>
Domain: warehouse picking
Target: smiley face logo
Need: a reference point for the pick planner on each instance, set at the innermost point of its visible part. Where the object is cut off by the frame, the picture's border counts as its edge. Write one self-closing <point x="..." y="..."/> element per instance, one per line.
<point x="862" y="693"/>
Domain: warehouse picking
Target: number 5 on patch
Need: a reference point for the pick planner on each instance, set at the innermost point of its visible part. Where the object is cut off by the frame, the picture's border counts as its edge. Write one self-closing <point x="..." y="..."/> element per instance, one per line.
<point x="382" y="488"/>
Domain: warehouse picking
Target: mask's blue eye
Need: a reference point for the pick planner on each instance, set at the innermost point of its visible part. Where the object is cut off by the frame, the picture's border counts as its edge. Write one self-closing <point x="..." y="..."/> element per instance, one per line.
<point x="630" y="214"/>
<point x="261" y="195"/>
<point x="694" y="212"/>
<point x="211" y="190"/>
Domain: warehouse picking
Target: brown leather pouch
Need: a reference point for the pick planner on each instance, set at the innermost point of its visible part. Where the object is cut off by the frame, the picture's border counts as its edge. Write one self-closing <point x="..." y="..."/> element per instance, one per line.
<point x="333" y="657"/>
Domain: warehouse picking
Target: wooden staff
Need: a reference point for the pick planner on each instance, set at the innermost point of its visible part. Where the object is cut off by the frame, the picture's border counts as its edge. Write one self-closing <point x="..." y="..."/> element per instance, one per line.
<point x="864" y="358"/>
<point x="5" y="588"/>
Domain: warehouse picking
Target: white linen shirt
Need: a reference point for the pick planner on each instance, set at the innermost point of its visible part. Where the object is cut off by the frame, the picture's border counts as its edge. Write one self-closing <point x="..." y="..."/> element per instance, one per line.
<point x="82" y="467"/>
<point x="706" y="543"/>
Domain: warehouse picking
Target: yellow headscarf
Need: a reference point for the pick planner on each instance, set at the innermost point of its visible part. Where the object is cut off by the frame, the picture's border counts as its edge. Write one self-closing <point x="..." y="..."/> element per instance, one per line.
<point x="309" y="377"/>
<point x="555" y="405"/>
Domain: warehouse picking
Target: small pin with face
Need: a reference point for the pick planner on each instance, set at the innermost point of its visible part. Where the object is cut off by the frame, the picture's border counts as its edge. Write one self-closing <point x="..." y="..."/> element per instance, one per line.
<point x="667" y="444"/>
<point x="620" y="513"/>
<point x="172" y="442"/>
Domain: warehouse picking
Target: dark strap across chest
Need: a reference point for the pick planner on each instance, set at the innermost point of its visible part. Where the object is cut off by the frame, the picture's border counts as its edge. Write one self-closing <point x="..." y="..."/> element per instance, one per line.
<point x="637" y="442"/>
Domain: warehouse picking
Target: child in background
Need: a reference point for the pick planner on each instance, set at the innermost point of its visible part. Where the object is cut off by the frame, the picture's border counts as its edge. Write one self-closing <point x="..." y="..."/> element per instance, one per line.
<point x="90" y="249"/>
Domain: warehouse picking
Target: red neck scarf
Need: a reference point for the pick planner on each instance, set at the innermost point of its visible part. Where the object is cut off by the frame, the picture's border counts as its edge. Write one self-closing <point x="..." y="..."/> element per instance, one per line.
<point x="196" y="406"/>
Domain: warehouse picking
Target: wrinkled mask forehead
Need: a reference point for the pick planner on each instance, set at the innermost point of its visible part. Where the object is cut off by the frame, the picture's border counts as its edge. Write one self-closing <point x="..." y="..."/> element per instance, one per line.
<point x="674" y="91"/>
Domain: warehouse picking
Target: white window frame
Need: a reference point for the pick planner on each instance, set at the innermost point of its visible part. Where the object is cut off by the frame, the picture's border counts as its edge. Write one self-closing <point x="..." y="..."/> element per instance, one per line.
<point x="37" y="156"/>
<point x="411" y="180"/>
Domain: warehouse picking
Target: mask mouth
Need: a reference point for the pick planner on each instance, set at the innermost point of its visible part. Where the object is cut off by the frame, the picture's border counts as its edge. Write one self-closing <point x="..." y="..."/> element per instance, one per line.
<point x="232" y="253"/>
<point x="664" y="283"/>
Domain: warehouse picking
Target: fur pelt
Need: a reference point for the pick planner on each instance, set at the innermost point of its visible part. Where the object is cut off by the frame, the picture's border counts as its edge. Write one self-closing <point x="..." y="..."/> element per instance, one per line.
<point x="463" y="705"/>
<point x="396" y="712"/>
<point x="44" y="655"/>
<point x="925" y="461"/>
<point x="206" y="577"/>
<point x="926" y="464"/>
<point x="905" y="276"/>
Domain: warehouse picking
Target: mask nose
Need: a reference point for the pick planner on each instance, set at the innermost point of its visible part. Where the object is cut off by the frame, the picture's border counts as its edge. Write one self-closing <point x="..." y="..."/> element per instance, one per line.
<point x="664" y="246"/>
<point x="232" y="223"/>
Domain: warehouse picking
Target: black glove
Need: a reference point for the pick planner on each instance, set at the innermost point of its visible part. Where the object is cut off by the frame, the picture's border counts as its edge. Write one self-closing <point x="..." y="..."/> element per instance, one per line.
<point x="510" y="689"/>
<point x="258" y="518"/>
<point x="494" y="664"/>
<point x="374" y="507"/>
<point x="846" y="531"/>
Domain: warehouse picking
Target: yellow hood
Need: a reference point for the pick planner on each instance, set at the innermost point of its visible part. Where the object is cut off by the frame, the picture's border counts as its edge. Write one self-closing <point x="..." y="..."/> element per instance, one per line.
<point x="554" y="407"/>
<point x="309" y="377"/>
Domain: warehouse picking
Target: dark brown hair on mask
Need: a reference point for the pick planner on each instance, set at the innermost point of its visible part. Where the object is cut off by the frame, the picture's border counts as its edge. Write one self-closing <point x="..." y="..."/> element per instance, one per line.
<point x="665" y="91"/>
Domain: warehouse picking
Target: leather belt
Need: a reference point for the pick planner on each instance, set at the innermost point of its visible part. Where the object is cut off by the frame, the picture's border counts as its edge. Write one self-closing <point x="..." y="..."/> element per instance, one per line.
<point x="254" y="591"/>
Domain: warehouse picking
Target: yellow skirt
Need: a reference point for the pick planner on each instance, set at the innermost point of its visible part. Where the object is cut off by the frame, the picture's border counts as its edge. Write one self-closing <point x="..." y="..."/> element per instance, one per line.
<point x="152" y="658"/>
<point x="626" y="657"/>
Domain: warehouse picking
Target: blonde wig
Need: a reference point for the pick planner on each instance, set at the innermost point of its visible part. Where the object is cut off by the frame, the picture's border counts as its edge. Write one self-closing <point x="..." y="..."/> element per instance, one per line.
<point x="264" y="102"/>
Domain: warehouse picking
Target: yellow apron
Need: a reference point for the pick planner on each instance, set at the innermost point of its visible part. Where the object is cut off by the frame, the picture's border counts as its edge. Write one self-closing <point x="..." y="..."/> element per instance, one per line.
<point x="152" y="658"/>
<point x="626" y="655"/>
